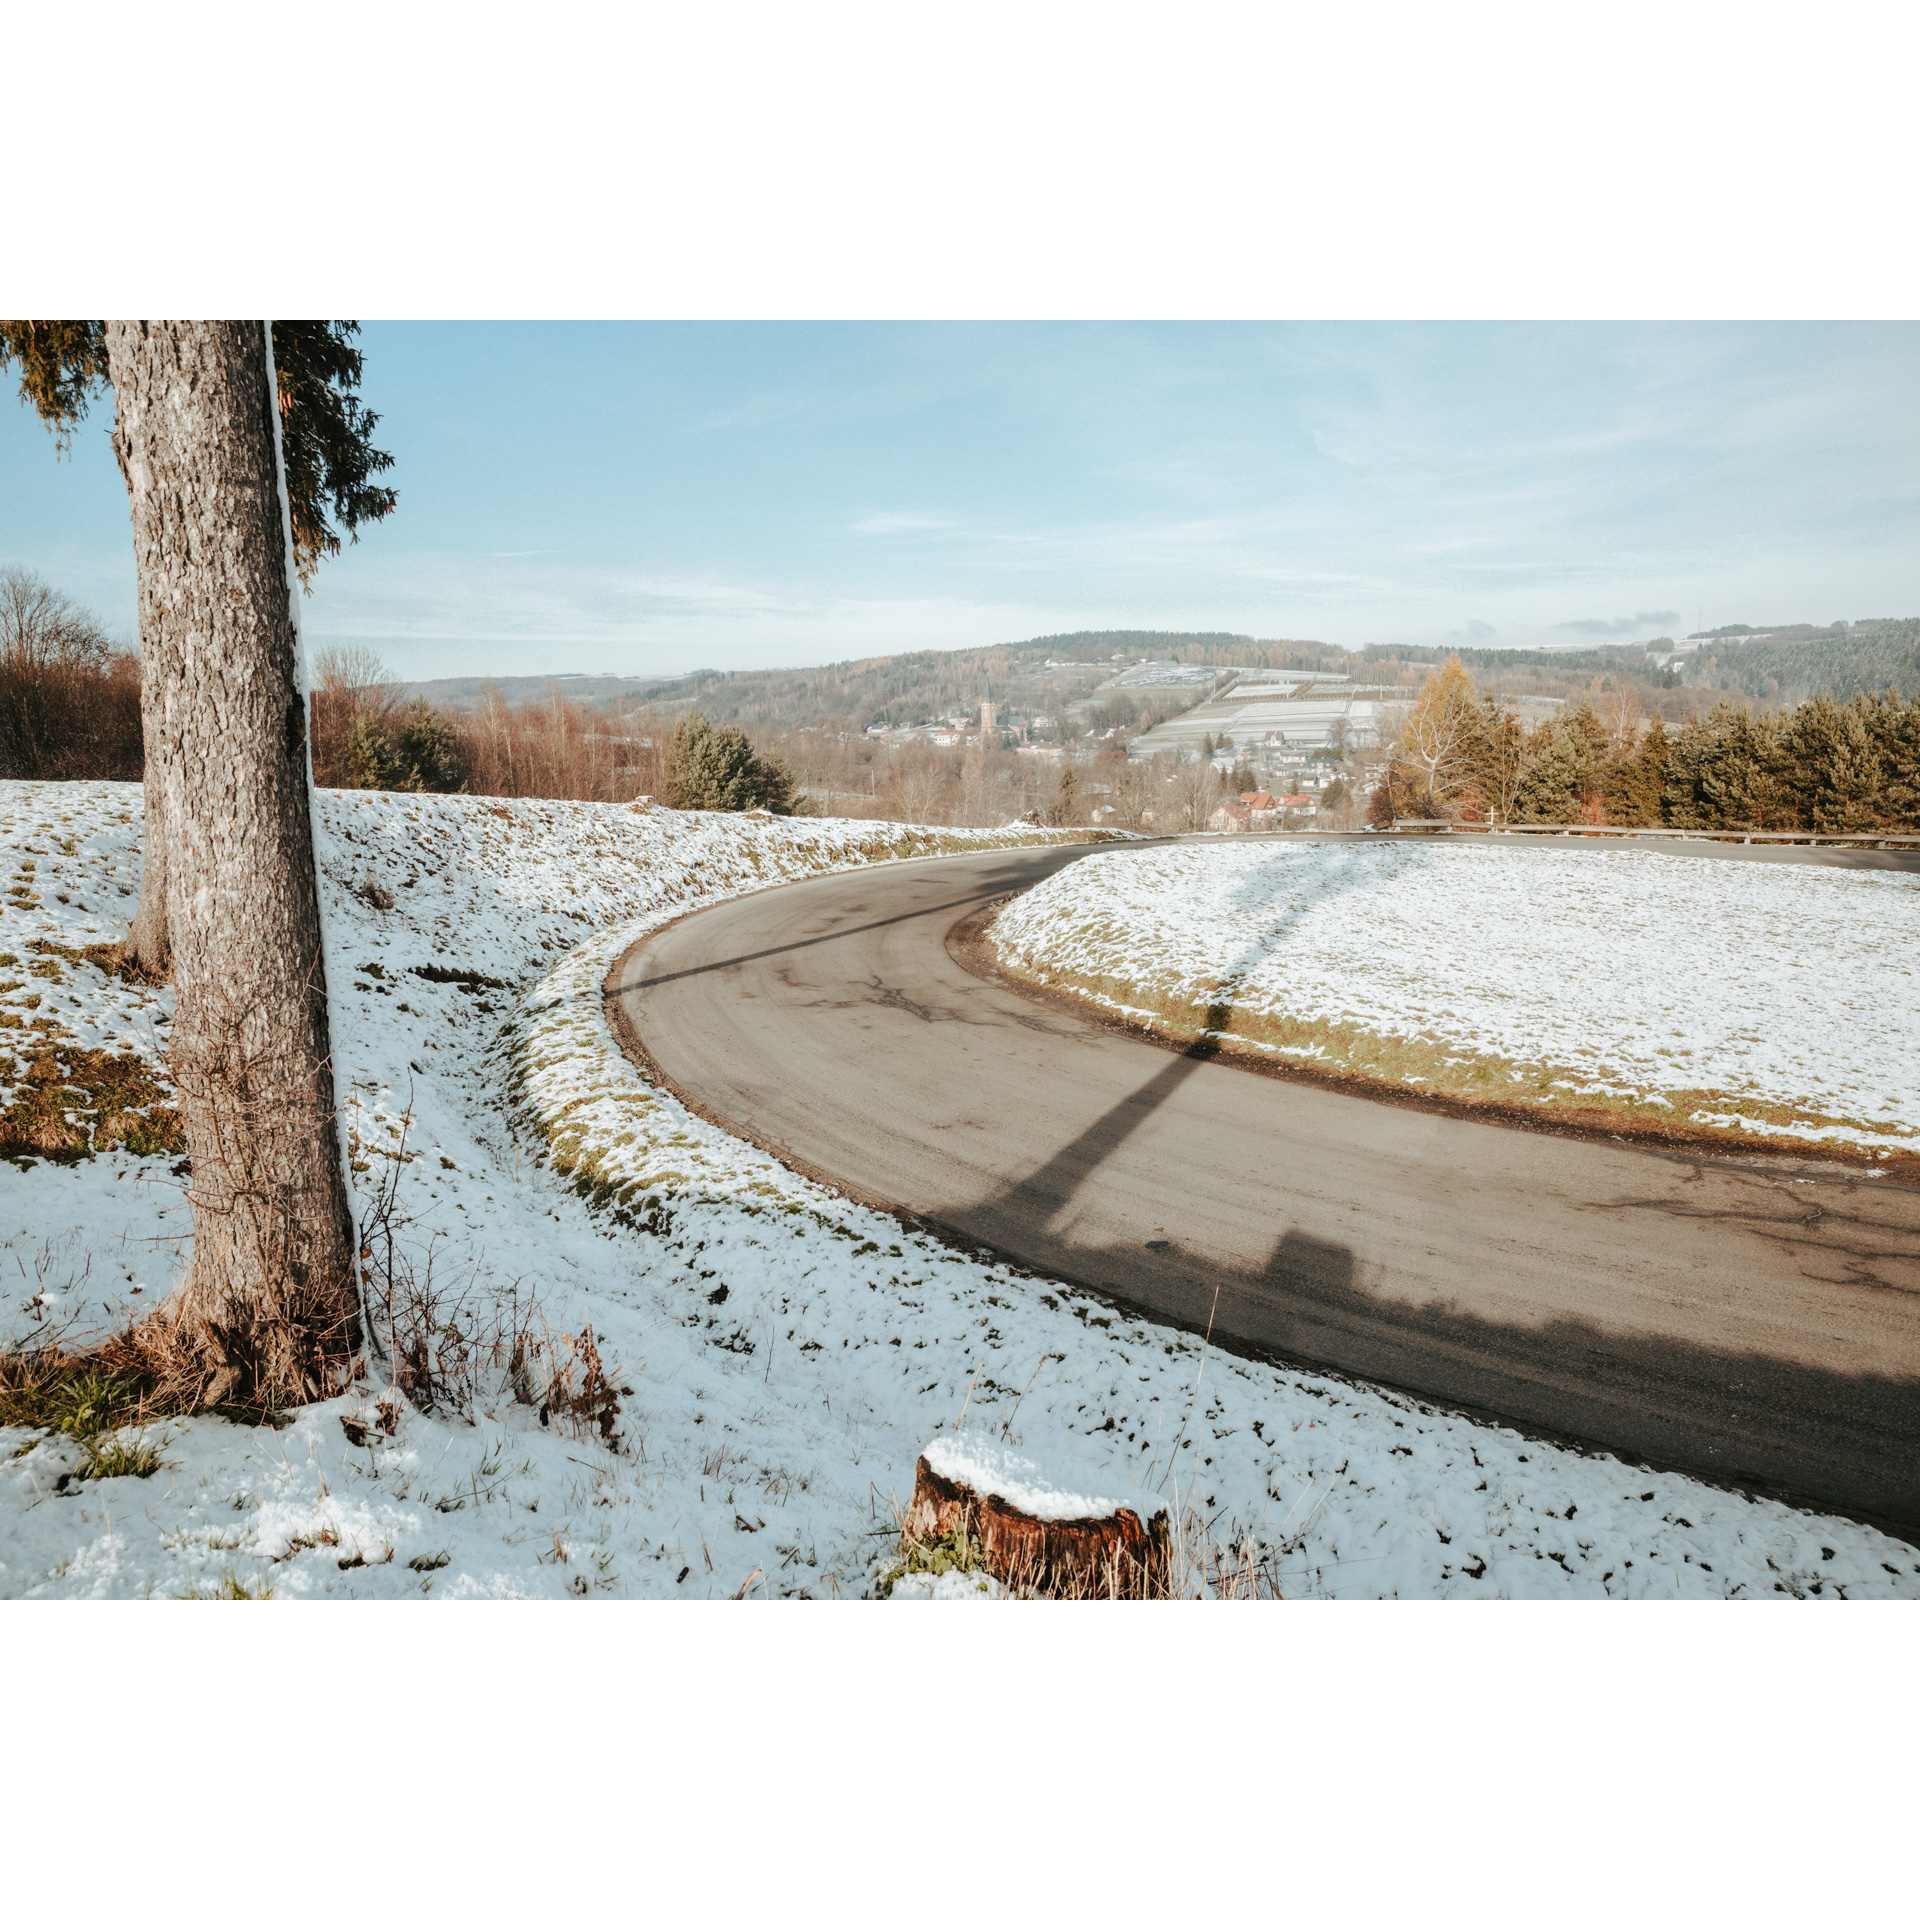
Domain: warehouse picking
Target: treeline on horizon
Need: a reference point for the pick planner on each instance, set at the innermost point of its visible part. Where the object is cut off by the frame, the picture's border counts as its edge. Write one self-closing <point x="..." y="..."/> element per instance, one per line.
<point x="1829" y="766"/>
<point x="916" y="687"/>
<point x="1768" y="665"/>
<point x="1843" y="760"/>
<point x="366" y="734"/>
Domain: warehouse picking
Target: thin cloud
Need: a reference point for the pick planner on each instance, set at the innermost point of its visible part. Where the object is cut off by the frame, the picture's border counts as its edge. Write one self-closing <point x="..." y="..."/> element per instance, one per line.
<point x="1613" y="629"/>
<point x="901" y="523"/>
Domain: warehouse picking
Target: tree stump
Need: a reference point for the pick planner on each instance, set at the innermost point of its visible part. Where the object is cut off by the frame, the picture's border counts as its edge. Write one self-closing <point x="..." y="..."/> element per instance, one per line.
<point x="1034" y="1537"/>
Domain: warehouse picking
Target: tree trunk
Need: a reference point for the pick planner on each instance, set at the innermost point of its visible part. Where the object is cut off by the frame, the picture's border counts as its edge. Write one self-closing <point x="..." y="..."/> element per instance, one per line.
<point x="145" y="946"/>
<point x="268" y="1308"/>
<point x="1116" y="1558"/>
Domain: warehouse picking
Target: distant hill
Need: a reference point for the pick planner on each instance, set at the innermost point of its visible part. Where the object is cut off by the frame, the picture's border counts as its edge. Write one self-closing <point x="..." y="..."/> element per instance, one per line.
<point x="1047" y="674"/>
<point x="1786" y="664"/>
<point x="1054" y="674"/>
<point x="518" y="689"/>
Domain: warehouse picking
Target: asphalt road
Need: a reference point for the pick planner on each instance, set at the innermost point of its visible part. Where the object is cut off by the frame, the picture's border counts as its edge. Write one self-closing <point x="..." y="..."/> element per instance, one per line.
<point x="1753" y="1320"/>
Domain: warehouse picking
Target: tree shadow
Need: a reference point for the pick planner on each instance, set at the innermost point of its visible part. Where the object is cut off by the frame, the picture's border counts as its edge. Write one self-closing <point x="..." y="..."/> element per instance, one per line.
<point x="1789" y="1429"/>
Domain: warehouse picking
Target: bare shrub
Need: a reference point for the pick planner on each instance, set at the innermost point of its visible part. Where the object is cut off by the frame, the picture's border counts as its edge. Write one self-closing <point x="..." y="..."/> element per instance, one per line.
<point x="350" y="685"/>
<point x="448" y="1343"/>
<point x="69" y="700"/>
<point x="556" y="749"/>
<point x="563" y="1375"/>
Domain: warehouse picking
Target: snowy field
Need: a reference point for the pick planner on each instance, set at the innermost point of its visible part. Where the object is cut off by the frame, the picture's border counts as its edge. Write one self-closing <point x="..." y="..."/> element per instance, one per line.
<point x="1772" y="1000"/>
<point x="781" y="1356"/>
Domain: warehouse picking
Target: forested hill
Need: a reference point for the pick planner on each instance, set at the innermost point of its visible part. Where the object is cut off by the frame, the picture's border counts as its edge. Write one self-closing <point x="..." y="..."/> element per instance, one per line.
<point x="909" y="689"/>
<point x="1055" y="672"/>
<point x="1767" y="666"/>
<point x="1789" y="663"/>
<point x="904" y="689"/>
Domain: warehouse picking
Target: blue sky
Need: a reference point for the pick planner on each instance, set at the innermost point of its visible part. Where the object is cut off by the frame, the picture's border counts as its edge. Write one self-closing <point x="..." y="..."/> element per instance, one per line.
<point x="655" y="497"/>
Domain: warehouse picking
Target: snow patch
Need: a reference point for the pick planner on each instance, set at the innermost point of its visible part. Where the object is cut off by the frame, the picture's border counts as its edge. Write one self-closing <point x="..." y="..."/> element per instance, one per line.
<point x="989" y="1468"/>
<point x="1710" y="986"/>
<point x="781" y="1354"/>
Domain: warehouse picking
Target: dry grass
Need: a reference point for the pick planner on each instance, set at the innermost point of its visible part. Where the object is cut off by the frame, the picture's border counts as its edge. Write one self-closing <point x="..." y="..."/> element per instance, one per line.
<point x="449" y="1343"/>
<point x="69" y="1102"/>
<point x="231" y="1587"/>
<point x="88" y="1403"/>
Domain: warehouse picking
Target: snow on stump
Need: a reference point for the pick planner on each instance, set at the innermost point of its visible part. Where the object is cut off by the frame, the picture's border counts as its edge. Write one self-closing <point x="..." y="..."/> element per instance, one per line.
<point x="1036" y="1537"/>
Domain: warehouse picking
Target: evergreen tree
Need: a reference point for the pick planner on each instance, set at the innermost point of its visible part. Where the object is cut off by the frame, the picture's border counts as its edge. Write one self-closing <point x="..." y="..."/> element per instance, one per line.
<point x="1895" y="727"/>
<point x="716" y="768"/>
<point x="326" y="434"/>
<point x="1565" y="770"/>
<point x="1593" y="745"/>
<point x="1737" y="772"/>
<point x="369" y="759"/>
<point x="1496" y="758"/>
<point x="1636" y="785"/>
<point x="426" y="755"/>
<point x="327" y="460"/>
<point x="268" y="1308"/>
<point x="1833" y="766"/>
<point x="1060" y="814"/>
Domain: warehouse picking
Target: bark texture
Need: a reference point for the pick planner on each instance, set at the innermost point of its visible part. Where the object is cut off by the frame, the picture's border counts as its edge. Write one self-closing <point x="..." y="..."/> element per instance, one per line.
<point x="269" y="1306"/>
<point x="1112" y="1559"/>
<point x="146" y="946"/>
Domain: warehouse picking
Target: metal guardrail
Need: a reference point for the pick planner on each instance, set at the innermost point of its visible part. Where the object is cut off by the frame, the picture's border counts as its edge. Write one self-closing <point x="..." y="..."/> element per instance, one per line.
<point x="1744" y="836"/>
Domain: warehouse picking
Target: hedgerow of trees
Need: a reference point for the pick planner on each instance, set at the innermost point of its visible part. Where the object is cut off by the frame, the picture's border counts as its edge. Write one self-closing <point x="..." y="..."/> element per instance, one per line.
<point x="69" y="699"/>
<point x="1827" y="767"/>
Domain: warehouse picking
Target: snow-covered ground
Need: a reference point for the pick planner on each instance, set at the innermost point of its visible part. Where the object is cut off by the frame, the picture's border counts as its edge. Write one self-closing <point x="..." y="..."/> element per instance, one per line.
<point x="1768" y="999"/>
<point x="782" y="1356"/>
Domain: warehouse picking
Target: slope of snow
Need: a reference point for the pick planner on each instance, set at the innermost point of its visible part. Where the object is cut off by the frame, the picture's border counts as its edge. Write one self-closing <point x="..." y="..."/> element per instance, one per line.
<point x="781" y="1356"/>
<point x="1773" y="999"/>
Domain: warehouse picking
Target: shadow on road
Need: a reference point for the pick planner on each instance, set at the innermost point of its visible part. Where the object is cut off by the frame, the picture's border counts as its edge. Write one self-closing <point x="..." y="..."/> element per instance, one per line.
<point x="1780" y="1427"/>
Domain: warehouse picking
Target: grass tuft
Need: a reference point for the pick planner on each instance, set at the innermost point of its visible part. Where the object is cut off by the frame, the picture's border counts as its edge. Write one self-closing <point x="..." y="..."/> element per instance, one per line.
<point x="82" y="1404"/>
<point x="230" y="1587"/>
<point x="954" y="1552"/>
<point x="116" y="1459"/>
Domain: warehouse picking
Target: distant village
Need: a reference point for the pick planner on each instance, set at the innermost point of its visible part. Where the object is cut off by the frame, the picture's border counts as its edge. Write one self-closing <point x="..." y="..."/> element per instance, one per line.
<point x="1283" y="742"/>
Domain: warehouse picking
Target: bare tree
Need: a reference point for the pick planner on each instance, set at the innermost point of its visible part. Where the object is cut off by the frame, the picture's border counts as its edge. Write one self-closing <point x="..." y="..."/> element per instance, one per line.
<point x="1439" y="734"/>
<point x="1622" y="713"/>
<point x="349" y="684"/>
<point x="1195" y="792"/>
<point x="1133" y="793"/>
<point x="40" y="627"/>
<point x="919" y="785"/>
<point x="69" y="700"/>
<point x="268" y="1307"/>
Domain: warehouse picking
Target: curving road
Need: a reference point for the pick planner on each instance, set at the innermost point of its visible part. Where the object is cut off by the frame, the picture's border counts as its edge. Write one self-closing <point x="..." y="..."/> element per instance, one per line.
<point x="1753" y="1320"/>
